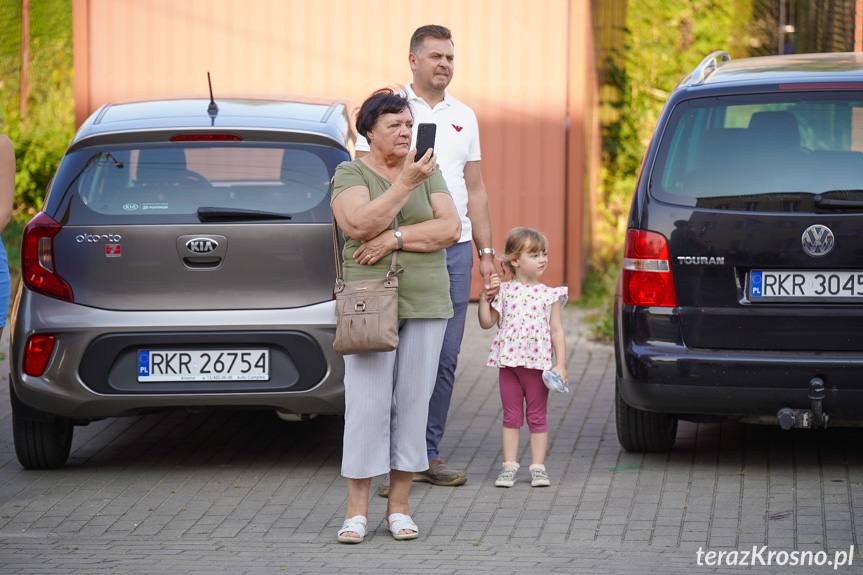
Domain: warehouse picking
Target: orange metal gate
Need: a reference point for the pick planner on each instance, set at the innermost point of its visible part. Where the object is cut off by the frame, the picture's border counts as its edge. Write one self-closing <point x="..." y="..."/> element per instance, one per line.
<point x="525" y="67"/>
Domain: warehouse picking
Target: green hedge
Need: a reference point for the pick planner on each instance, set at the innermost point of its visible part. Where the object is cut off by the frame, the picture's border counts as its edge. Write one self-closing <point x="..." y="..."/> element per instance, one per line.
<point x="41" y="138"/>
<point x="665" y="39"/>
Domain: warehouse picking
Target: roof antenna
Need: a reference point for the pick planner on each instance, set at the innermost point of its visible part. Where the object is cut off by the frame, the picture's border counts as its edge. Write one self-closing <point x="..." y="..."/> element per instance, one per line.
<point x="213" y="108"/>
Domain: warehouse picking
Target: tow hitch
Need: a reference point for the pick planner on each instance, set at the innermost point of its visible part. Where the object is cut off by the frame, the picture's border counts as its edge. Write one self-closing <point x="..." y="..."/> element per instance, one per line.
<point x="806" y="418"/>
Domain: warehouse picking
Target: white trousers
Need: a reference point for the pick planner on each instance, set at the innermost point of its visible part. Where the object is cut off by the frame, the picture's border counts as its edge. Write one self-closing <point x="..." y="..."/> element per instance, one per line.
<point x="386" y="402"/>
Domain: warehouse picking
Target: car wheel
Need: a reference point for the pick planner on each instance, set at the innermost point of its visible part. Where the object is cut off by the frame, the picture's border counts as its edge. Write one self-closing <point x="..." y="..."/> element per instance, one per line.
<point x="643" y="431"/>
<point x="40" y="442"/>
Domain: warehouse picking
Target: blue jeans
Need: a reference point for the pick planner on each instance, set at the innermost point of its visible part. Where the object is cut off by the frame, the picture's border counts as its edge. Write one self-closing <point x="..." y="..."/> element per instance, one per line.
<point x="459" y="262"/>
<point x="5" y="287"/>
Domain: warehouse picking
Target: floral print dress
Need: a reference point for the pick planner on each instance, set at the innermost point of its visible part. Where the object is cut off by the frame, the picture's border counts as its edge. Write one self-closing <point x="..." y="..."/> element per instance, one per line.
<point x="523" y="332"/>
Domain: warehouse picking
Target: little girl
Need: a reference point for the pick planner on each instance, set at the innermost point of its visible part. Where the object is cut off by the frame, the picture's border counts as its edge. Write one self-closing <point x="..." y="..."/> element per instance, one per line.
<point x="529" y="340"/>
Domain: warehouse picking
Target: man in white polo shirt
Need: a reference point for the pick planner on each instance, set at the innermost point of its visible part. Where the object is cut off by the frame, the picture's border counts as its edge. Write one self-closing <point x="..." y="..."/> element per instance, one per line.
<point x="431" y="60"/>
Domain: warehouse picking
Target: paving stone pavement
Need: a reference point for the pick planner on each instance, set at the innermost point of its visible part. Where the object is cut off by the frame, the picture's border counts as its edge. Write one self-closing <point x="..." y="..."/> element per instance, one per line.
<point x="244" y="492"/>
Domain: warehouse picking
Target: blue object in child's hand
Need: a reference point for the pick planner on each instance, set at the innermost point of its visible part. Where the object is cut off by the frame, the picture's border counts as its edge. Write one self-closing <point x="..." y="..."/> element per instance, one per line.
<point x="553" y="381"/>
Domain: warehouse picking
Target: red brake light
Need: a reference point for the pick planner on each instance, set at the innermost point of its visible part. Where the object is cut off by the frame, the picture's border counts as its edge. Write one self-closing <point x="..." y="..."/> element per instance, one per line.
<point x="37" y="258"/>
<point x="647" y="278"/>
<point x="647" y="245"/>
<point x="37" y="353"/>
<point x="206" y="138"/>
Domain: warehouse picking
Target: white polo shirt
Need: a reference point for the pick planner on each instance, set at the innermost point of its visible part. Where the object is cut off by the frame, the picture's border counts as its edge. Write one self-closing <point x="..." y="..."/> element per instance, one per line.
<point x="456" y="143"/>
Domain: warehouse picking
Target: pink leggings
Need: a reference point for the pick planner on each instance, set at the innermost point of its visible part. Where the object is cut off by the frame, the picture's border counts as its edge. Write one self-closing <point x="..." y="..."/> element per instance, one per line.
<point x="520" y="384"/>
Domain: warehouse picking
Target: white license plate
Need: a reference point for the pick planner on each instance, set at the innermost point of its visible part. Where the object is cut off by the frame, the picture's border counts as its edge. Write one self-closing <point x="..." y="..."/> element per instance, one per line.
<point x="209" y="365"/>
<point x="796" y="285"/>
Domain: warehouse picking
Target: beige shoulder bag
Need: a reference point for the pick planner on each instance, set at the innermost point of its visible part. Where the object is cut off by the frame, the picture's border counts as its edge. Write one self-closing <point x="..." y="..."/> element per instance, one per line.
<point x="367" y="310"/>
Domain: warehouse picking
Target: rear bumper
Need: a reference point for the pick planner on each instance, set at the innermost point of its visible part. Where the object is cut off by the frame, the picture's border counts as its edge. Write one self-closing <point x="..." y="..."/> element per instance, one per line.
<point x="663" y="375"/>
<point x="92" y="371"/>
<point x="697" y="385"/>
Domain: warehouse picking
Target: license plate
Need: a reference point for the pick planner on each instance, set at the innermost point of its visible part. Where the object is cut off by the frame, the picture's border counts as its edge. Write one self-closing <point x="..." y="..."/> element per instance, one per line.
<point x="209" y="365"/>
<point x="796" y="285"/>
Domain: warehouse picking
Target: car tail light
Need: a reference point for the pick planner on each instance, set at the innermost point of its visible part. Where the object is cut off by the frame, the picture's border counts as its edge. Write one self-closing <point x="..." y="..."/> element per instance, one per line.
<point x="36" y="354"/>
<point x="647" y="276"/>
<point x="37" y="258"/>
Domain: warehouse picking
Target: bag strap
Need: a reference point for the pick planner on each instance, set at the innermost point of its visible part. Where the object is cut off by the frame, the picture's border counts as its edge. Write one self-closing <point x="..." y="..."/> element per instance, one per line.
<point x="393" y="263"/>
<point x="392" y="271"/>
<point x="339" y="279"/>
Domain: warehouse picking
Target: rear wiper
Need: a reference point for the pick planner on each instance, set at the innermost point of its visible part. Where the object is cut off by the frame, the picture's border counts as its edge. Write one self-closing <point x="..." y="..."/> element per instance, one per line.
<point x="237" y="215"/>
<point x="822" y="202"/>
<point x="110" y="156"/>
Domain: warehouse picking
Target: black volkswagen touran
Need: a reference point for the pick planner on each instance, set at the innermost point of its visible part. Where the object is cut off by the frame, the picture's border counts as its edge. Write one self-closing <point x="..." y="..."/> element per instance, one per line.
<point x="741" y="295"/>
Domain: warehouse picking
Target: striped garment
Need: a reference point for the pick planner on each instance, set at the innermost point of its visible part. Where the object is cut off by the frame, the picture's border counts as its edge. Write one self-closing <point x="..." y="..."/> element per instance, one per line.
<point x="386" y="402"/>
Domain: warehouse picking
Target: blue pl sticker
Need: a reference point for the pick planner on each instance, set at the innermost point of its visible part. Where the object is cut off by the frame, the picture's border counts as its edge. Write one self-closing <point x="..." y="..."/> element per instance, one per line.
<point x="756" y="285"/>
<point x="143" y="363"/>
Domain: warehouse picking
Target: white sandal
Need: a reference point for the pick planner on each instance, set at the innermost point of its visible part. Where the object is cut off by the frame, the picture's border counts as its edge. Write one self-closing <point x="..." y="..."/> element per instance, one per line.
<point x="398" y="522"/>
<point x="356" y="524"/>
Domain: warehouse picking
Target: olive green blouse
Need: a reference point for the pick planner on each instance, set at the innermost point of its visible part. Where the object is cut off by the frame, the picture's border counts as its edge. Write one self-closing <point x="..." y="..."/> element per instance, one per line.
<point x="424" y="284"/>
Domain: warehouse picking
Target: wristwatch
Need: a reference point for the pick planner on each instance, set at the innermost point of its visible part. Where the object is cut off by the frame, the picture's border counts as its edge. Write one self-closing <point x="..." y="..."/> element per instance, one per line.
<point x="399" y="237"/>
<point x="484" y="251"/>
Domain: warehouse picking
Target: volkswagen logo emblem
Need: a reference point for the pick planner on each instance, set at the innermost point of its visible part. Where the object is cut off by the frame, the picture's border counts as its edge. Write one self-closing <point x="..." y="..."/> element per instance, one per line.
<point x="818" y="241"/>
<point x="202" y="245"/>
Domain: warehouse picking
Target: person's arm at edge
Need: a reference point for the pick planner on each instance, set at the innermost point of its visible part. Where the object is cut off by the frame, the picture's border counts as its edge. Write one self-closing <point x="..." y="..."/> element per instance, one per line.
<point x="7" y="185"/>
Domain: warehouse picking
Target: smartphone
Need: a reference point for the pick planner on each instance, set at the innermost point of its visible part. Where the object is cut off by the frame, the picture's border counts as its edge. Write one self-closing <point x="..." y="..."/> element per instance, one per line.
<point x="425" y="139"/>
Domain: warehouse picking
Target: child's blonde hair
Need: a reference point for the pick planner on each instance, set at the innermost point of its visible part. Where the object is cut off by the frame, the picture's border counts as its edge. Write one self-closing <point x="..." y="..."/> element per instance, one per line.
<point x="520" y="241"/>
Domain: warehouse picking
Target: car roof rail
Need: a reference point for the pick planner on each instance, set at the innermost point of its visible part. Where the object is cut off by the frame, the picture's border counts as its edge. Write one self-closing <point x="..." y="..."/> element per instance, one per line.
<point x="707" y="67"/>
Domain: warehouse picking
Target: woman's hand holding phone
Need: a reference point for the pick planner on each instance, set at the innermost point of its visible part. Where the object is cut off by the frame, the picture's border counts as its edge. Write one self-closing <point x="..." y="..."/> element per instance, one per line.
<point x="419" y="170"/>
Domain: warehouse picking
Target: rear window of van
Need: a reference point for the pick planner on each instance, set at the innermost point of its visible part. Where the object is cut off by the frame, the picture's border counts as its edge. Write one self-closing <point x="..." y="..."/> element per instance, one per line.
<point x="766" y="152"/>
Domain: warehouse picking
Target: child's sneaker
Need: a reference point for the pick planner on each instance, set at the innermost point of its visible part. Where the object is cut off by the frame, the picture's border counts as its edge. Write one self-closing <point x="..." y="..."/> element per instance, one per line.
<point x="539" y="477"/>
<point x="507" y="476"/>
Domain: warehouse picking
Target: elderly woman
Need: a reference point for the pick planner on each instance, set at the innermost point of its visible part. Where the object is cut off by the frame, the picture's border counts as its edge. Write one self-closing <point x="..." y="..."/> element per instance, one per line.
<point x="387" y="393"/>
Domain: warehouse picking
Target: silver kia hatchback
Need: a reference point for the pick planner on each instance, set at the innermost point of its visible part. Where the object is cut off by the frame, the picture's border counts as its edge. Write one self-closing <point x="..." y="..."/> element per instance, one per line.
<point x="183" y="259"/>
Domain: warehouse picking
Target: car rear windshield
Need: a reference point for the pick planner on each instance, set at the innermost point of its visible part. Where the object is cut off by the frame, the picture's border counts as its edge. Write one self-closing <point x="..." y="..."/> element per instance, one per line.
<point x="766" y="152"/>
<point x="170" y="183"/>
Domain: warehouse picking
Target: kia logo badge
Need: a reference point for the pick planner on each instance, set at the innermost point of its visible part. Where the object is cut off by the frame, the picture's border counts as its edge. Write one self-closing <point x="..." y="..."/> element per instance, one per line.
<point x="202" y="245"/>
<point x="818" y="241"/>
